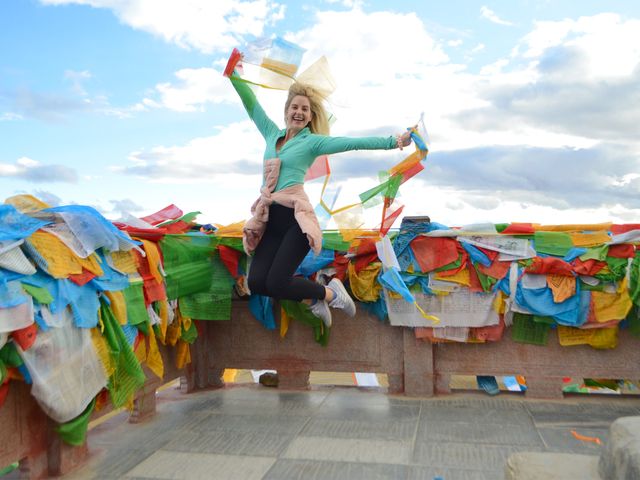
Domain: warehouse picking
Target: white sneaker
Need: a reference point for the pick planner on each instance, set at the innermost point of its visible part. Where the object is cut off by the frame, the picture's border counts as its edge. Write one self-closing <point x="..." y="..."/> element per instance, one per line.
<point x="321" y="310"/>
<point x="342" y="299"/>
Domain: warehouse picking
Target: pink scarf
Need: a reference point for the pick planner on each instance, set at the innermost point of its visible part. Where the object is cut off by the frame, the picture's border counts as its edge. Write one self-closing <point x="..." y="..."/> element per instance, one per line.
<point x="292" y="197"/>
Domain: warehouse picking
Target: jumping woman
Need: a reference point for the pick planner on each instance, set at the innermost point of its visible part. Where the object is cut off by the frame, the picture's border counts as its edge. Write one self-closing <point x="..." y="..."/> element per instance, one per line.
<point x="284" y="227"/>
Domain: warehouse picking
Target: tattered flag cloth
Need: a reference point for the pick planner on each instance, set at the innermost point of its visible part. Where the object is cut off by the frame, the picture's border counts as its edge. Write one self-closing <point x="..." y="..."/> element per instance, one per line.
<point x="469" y="284"/>
<point x="12" y="258"/>
<point x="15" y="225"/>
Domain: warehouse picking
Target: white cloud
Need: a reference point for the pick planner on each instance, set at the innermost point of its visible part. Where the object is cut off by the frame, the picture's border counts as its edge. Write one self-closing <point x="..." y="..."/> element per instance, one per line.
<point x="47" y="197"/>
<point x="356" y="61"/>
<point x="563" y="78"/>
<point x="486" y="12"/>
<point x="381" y="86"/>
<point x="25" y="162"/>
<point x="453" y="207"/>
<point x="494" y="68"/>
<point x="495" y="135"/>
<point x="195" y="88"/>
<point x="125" y="205"/>
<point x="26" y="168"/>
<point x="235" y="149"/>
<point x="204" y="25"/>
<point x="346" y="3"/>
<point x="610" y="45"/>
<point x="45" y="106"/>
<point x="76" y="79"/>
<point x="478" y="48"/>
<point x="59" y="107"/>
<point x="10" y="117"/>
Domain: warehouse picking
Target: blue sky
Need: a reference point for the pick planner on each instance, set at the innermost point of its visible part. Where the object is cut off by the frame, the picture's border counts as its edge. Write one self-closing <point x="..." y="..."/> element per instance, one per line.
<point x="531" y="106"/>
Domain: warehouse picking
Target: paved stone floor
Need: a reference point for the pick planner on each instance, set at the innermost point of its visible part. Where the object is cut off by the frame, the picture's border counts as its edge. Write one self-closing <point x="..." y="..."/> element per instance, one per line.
<point x="254" y="432"/>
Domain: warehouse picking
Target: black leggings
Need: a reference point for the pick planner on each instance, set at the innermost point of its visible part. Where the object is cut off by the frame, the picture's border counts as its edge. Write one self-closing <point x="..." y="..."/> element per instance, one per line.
<point x="277" y="257"/>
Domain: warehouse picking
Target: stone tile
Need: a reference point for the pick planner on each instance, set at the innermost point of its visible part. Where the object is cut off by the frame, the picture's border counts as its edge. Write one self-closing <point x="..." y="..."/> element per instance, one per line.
<point x="175" y="402"/>
<point x="428" y="473"/>
<point x="373" y="429"/>
<point x="350" y="394"/>
<point x="110" y="464"/>
<point x="353" y="397"/>
<point x="194" y="466"/>
<point x="273" y="424"/>
<point x="253" y="392"/>
<point x="359" y="406"/>
<point x="477" y="414"/>
<point x="486" y="434"/>
<point x="477" y="401"/>
<point x="465" y="456"/>
<point x="289" y="403"/>
<point x="227" y="442"/>
<point x="561" y="440"/>
<point x="583" y="413"/>
<point x="349" y="450"/>
<point x="611" y="410"/>
<point x="151" y="434"/>
<point x="371" y="413"/>
<point x="285" y="469"/>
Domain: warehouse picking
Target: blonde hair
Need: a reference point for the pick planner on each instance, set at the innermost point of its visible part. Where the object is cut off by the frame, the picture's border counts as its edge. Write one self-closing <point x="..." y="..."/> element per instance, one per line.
<point x="320" y="119"/>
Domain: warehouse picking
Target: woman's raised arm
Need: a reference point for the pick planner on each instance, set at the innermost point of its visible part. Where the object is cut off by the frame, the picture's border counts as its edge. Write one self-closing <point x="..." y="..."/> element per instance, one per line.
<point x="265" y="125"/>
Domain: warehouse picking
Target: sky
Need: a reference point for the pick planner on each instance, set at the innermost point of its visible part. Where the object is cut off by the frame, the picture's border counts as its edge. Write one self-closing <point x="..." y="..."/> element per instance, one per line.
<point x="532" y="107"/>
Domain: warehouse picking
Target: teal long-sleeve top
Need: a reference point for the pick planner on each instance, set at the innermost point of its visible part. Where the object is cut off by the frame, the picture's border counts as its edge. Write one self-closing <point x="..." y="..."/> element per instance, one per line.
<point x="297" y="155"/>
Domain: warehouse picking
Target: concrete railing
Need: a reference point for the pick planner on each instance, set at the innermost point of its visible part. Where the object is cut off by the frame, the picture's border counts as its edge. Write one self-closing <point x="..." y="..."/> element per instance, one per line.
<point x="414" y="367"/>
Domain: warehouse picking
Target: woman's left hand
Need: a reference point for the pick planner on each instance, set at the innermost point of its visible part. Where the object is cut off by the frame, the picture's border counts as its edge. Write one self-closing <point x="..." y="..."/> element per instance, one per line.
<point x="404" y="140"/>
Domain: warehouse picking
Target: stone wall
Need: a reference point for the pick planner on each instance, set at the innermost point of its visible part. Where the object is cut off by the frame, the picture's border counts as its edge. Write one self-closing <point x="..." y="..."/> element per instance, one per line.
<point x="414" y="367"/>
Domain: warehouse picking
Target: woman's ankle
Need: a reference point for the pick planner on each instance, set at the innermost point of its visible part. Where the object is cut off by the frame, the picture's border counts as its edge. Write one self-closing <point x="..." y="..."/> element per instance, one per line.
<point x="329" y="294"/>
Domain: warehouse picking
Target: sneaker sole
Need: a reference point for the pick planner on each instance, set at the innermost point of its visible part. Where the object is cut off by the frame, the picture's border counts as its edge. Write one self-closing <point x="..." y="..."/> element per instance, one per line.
<point x="327" y="321"/>
<point x="340" y="286"/>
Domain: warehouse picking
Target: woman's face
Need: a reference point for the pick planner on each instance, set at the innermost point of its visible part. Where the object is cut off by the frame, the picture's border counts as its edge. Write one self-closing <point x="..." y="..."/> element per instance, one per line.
<point x="299" y="114"/>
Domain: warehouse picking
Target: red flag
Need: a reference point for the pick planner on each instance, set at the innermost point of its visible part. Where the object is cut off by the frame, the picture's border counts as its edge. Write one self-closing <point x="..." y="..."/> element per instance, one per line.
<point x="624" y="250"/>
<point x="364" y="254"/>
<point x="234" y="58"/>
<point x="417" y="168"/>
<point x="319" y="168"/>
<point x="627" y="227"/>
<point x="177" y="227"/>
<point x="515" y="228"/>
<point x="82" y="278"/>
<point x="388" y="221"/>
<point x="434" y="252"/>
<point x="170" y="212"/>
<point x="230" y="258"/>
<point x="25" y="337"/>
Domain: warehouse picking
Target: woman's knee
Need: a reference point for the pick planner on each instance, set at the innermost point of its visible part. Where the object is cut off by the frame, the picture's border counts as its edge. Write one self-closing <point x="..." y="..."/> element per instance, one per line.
<point x="257" y="284"/>
<point x="276" y="287"/>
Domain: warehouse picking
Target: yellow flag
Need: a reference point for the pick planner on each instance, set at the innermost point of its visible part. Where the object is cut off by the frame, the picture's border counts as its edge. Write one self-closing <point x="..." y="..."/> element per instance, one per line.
<point x="284" y="323"/>
<point x="154" y="359"/>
